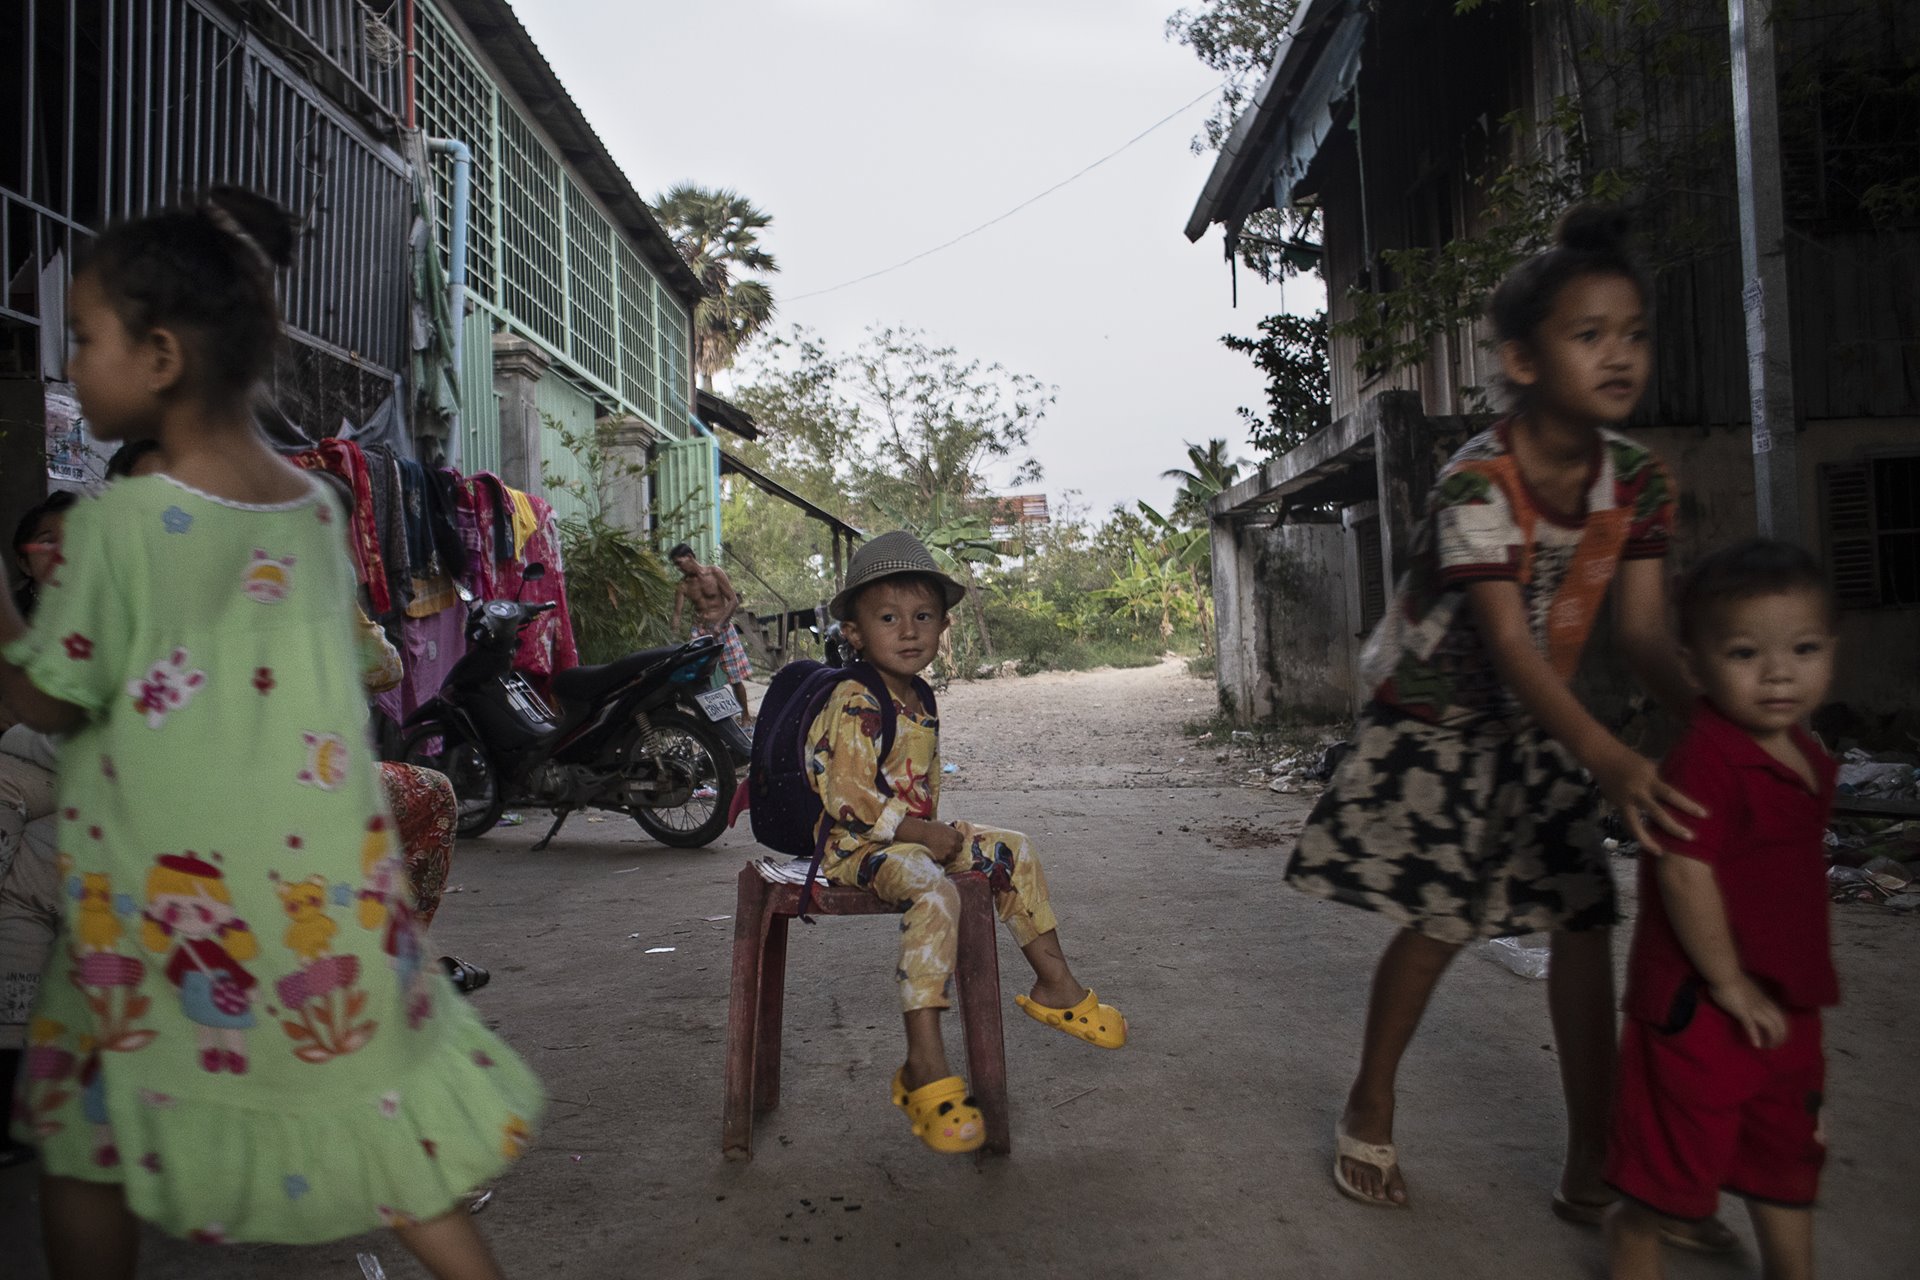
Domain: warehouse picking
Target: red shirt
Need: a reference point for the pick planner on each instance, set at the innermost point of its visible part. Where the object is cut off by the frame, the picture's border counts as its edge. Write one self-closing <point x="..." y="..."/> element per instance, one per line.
<point x="1764" y="837"/>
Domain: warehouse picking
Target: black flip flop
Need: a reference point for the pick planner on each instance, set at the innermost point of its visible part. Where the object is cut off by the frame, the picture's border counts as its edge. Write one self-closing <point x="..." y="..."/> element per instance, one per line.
<point x="467" y="978"/>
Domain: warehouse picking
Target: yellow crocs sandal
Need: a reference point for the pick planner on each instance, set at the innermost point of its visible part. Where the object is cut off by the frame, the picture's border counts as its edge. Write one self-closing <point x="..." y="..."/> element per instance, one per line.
<point x="1100" y="1025"/>
<point x="943" y="1116"/>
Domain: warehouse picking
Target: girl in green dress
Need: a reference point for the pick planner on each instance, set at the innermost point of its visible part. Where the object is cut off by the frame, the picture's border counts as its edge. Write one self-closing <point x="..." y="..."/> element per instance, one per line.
<point x="237" y="1039"/>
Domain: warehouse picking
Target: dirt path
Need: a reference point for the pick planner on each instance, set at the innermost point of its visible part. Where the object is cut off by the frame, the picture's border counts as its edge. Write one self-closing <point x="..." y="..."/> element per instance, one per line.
<point x="1199" y="1151"/>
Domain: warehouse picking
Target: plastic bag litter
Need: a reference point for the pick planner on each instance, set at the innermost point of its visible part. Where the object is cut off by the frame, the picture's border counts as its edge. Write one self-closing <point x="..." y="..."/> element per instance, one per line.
<point x="1515" y="956"/>
<point x="1862" y="775"/>
<point x="370" y="1267"/>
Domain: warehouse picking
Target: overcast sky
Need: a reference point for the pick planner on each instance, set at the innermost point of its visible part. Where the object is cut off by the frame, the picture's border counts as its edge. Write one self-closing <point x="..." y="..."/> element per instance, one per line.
<point x="874" y="129"/>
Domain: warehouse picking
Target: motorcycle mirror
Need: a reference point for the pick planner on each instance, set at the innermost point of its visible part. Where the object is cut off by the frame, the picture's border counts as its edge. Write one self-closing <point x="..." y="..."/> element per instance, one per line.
<point x="460" y="589"/>
<point x="534" y="572"/>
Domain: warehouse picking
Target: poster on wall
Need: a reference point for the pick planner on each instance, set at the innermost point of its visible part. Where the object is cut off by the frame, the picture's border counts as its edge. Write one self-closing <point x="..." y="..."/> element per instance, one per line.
<point x="75" y="460"/>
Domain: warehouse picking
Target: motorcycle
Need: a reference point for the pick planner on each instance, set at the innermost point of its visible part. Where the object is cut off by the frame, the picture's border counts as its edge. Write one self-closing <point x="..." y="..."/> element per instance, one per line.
<point x="644" y="735"/>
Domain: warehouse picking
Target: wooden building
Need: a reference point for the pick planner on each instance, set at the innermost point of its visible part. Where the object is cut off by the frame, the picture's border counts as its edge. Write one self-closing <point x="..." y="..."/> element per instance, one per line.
<point x="1398" y="123"/>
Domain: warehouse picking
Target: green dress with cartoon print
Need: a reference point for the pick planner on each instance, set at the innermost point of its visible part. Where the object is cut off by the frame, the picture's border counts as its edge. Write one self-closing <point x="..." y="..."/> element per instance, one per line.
<point x="238" y="1021"/>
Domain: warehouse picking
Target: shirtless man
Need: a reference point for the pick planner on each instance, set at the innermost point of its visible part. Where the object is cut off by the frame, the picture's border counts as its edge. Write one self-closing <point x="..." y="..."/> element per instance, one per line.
<point x="714" y="601"/>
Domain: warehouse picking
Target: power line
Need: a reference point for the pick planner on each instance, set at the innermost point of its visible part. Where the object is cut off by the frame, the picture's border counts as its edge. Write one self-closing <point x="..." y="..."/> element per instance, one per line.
<point x="1067" y="181"/>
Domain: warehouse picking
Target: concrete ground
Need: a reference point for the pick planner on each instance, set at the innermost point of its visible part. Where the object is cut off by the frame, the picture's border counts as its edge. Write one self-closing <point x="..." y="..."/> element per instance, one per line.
<point x="1200" y="1150"/>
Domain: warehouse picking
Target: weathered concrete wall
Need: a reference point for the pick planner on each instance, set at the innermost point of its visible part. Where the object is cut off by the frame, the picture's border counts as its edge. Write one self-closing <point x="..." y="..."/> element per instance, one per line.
<point x="1282" y="618"/>
<point x="1879" y="669"/>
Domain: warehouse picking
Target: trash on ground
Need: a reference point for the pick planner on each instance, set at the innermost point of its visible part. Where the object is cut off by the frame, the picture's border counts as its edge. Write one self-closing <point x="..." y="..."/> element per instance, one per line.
<point x="949" y="767"/>
<point x="1904" y="902"/>
<point x="1284" y="786"/>
<point x="655" y="951"/>
<point x="1330" y="760"/>
<point x="626" y="871"/>
<point x="510" y="820"/>
<point x="596" y="817"/>
<point x="577" y="1159"/>
<point x="1889" y="775"/>
<point x="712" y="919"/>
<point x="1514" y="955"/>
<point x="481" y="1201"/>
<point x="370" y="1266"/>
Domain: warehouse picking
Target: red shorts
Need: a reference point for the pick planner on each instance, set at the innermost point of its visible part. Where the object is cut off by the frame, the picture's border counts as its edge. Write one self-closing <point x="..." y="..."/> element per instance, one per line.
<point x="1699" y="1109"/>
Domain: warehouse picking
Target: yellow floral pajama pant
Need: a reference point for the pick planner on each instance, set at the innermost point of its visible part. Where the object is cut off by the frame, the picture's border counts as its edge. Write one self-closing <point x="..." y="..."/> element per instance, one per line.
<point x="910" y="877"/>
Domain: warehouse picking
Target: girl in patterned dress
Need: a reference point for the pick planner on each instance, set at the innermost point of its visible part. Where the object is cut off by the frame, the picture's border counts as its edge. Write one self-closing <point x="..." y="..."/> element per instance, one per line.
<point x="238" y="1041"/>
<point x="1469" y="807"/>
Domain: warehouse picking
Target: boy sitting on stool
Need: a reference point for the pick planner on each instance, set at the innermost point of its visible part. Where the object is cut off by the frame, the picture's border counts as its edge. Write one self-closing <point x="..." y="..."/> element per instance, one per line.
<point x="893" y="612"/>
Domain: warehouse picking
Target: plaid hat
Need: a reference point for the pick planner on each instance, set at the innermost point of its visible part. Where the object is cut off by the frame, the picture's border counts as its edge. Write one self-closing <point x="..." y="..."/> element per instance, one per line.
<point x="890" y="556"/>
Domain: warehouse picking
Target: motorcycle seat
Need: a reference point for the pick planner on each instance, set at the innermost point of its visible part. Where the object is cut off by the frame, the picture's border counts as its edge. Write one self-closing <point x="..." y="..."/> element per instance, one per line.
<point x="585" y="684"/>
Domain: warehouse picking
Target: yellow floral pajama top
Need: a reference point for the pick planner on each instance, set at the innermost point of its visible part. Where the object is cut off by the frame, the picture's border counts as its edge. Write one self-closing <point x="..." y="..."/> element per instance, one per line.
<point x="865" y="800"/>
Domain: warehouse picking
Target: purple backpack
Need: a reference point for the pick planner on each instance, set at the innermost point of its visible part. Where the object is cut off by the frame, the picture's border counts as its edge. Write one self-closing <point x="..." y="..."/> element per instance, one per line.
<point x="785" y="809"/>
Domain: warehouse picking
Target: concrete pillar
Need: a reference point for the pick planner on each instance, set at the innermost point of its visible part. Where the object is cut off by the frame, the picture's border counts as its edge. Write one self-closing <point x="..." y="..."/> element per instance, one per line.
<point x="517" y="366"/>
<point x="1240" y="637"/>
<point x="629" y="444"/>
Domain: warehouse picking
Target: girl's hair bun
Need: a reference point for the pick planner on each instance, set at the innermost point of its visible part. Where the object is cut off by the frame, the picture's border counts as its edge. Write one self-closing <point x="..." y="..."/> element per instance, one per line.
<point x="1594" y="228"/>
<point x="263" y="225"/>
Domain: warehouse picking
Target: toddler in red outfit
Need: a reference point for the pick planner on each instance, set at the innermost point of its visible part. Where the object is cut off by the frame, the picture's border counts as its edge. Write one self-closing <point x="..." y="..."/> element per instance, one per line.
<point x="1721" y="1067"/>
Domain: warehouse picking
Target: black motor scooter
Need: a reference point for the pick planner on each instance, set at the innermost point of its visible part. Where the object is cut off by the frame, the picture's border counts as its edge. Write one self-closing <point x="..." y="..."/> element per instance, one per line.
<point x="644" y="734"/>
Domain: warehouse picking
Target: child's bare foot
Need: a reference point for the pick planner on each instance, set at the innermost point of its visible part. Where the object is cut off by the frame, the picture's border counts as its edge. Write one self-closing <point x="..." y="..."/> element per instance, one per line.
<point x="1057" y="993"/>
<point x="922" y="1071"/>
<point x="1373" y="1126"/>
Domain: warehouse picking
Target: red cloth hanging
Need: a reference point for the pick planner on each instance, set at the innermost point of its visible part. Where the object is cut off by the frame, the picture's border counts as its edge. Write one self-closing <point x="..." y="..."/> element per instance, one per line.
<point x="343" y="458"/>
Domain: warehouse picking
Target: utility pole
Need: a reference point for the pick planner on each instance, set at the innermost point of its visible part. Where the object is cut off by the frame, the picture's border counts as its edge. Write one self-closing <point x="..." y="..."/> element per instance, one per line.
<point x="1763" y="261"/>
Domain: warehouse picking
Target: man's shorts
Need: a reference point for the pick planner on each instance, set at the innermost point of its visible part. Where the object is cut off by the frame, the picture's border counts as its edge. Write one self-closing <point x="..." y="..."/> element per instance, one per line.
<point x="733" y="654"/>
<point x="1698" y="1110"/>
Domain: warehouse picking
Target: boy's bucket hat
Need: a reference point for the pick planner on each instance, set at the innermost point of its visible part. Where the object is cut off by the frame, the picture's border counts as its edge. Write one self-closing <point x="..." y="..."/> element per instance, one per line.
<point x="889" y="556"/>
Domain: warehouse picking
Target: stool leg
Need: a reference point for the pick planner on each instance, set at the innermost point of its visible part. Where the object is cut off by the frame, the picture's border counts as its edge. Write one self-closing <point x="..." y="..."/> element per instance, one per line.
<point x="978" y="971"/>
<point x="773" y="993"/>
<point x="743" y="1009"/>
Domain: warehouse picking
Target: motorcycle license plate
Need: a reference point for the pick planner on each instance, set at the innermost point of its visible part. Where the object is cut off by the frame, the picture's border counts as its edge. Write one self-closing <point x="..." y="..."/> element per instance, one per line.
<point x="719" y="704"/>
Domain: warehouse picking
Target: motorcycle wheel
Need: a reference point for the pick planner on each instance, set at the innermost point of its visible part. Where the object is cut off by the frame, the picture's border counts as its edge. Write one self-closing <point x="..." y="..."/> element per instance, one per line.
<point x="446" y="748"/>
<point x="690" y="747"/>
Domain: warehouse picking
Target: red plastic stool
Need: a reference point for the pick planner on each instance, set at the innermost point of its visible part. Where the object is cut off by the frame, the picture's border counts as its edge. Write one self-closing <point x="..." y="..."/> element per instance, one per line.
<point x="759" y="988"/>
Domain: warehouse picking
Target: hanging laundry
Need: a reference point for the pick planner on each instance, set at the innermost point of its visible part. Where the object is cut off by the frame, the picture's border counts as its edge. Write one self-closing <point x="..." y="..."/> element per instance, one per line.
<point x="383" y="478"/>
<point x="524" y="522"/>
<point x="547" y="645"/>
<point x="343" y="458"/>
<point x="480" y="503"/>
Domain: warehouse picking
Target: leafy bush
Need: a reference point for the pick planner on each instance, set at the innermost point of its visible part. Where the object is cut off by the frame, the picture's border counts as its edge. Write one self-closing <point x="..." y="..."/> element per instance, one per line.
<point x="618" y="591"/>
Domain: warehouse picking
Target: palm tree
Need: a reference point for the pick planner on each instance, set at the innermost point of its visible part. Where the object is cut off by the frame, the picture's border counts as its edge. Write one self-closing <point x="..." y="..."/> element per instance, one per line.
<point x="1211" y="472"/>
<point x="718" y="232"/>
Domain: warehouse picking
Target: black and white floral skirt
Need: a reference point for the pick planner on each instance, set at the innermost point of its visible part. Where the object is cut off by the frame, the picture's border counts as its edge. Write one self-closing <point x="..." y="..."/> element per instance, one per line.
<point x="1459" y="834"/>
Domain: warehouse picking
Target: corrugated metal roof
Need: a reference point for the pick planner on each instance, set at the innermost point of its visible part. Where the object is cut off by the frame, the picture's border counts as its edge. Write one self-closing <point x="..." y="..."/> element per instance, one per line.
<point x="1291" y="114"/>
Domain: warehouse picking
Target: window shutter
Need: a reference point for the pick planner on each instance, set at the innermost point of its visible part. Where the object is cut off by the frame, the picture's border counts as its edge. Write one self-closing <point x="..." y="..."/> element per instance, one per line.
<point x="1373" y="578"/>
<point x="1846" y="494"/>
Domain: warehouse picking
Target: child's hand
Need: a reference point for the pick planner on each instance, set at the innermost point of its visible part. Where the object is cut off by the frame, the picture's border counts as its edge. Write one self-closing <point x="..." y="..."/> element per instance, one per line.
<point x="1759" y="1017"/>
<point x="1634" y="785"/>
<point x="947" y="841"/>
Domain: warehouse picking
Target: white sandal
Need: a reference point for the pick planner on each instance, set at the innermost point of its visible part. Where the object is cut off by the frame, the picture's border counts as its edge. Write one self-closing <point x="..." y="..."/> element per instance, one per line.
<point x="1375" y="1155"/>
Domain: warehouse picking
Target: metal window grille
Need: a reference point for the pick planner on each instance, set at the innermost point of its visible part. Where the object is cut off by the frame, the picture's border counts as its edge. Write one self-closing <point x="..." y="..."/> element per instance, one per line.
<point x="126" y="105"/>
<point x="349" y="42"/>
<point x="455" y="99"/>
<point x="533" y="272"/>
<point x="639" y="346"/>
<point x="348" y="284"/>
<point x="592" y="337"/>
<point x="673" y="364"/>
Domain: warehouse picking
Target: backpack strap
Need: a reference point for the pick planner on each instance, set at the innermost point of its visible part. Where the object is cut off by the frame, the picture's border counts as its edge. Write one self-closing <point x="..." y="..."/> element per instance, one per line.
<point x="875" y="684"/>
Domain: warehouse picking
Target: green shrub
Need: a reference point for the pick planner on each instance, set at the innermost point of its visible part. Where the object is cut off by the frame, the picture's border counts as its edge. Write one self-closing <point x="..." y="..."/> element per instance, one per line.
<point x="618" y="592"/>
